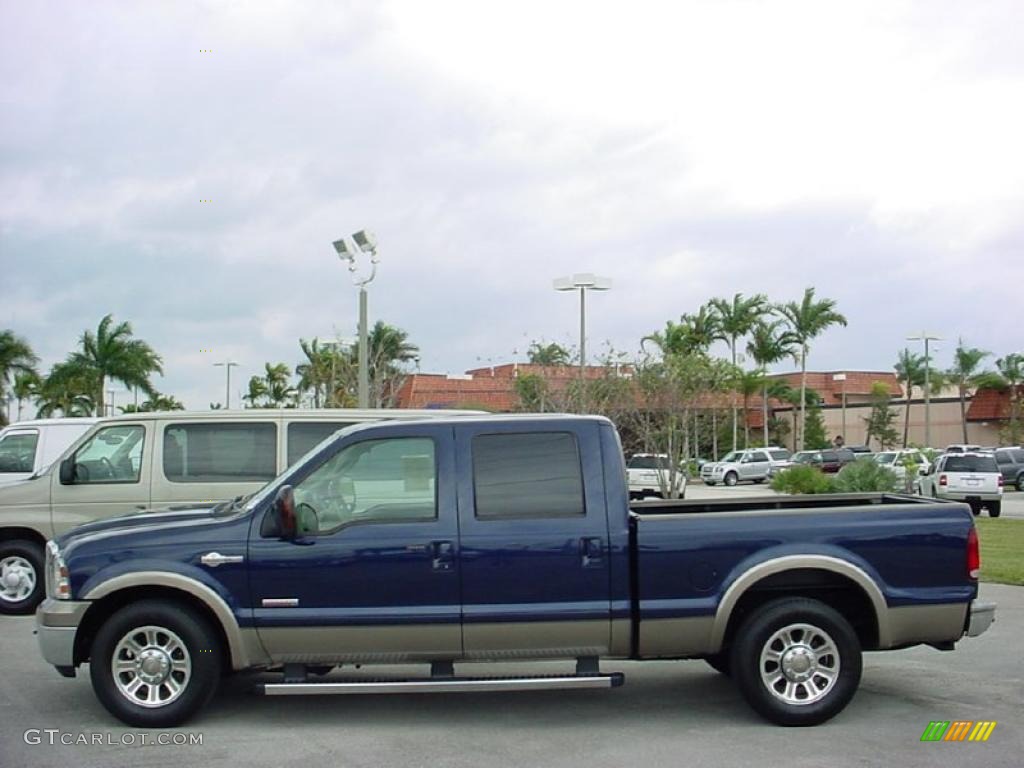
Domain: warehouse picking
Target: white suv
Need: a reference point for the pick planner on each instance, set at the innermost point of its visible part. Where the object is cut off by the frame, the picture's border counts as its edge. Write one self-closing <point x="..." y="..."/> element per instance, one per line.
<point x="970" y="477"/>
<point x="754" y="464"/>
<point x="648" y="475"/>
<point x="896" y="462"/>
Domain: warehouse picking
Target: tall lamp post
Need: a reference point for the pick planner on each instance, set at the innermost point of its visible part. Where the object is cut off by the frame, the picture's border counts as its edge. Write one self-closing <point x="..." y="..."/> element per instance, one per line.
<point x="227" y="365"/>
<point x="842" y="378"/>
<point x="926" y="338"/>
<point x="366" y="243"/>
<point x="583" y="282"/>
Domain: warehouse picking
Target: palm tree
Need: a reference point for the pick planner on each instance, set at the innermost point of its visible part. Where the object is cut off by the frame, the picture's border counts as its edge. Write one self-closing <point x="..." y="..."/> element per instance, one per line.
<point x="694" y="333"/>
<point x="548" y="354"/>
<point x="16" y="357"/>
<point x="279" y="390"/>
<point x="257" y="391"/>
<point x="748" y="384"/>
<point x="735" y="319"/>
<point x="1011" y="377"/>
<point x="112" y="353"/>
<point x="157" y="402"/>
<point x="315" y="373"/>
<point x="26" y="386"/>
<point x="769" y="343"/>
<point x="966" y="376"/>
<point x="389" y="348"/>
<point x="909" y="373"/>
<point x="68" y="389"/>
<point x="807" y="320"/>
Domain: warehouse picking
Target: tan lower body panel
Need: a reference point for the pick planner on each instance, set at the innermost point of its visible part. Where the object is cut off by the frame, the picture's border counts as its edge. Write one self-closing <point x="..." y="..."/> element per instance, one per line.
<point x="676" y="637"/>
<point x="367" y="645"/>
<point x="926" y="623"/>
<point x="536" y="639"/>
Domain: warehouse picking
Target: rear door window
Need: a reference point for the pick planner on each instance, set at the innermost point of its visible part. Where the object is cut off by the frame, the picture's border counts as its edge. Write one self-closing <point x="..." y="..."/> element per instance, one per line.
<point x="220" y="453"/>
<point x="527" y="475"/>
<point x="18" y="451"/>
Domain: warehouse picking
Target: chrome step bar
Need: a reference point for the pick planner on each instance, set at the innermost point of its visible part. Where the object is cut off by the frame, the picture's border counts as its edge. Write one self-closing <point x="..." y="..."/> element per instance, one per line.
<point x="450" y="685"/>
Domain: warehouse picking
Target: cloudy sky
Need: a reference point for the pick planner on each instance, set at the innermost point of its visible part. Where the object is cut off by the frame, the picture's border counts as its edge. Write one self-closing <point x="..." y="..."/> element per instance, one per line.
<point x="686" y="150"/>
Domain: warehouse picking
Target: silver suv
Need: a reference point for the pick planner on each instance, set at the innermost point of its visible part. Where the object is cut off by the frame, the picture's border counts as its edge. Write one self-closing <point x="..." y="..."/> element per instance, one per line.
<point x="754" y="464"/>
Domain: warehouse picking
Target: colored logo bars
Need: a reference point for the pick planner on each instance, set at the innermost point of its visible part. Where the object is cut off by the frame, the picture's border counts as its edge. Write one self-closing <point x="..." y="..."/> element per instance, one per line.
<point x="958" y="730"/>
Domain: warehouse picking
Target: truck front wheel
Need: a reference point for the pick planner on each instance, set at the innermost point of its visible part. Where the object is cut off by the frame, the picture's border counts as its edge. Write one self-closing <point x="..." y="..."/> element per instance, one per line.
<point x="154" y="664"/>
<point x="731" y="479"/>
<point x="796" y="661"/>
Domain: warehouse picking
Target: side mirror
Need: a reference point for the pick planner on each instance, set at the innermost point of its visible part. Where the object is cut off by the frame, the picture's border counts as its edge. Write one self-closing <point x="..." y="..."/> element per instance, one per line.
<point x="67" y="471"/>
<point x="284" y="512"/>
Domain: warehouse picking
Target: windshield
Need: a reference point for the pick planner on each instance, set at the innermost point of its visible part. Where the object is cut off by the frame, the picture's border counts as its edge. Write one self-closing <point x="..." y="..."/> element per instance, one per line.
<point x="888" y="457"/>
<point x="285" y="477"/>
<point x="806" y="457"/>
<point x="779" y="455"/>
<point x="732" y="456"/>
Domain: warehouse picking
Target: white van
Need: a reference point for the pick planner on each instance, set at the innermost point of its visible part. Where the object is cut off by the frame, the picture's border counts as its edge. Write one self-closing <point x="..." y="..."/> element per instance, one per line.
<point x="27" y="447"/>
<point x="140" y="461"/>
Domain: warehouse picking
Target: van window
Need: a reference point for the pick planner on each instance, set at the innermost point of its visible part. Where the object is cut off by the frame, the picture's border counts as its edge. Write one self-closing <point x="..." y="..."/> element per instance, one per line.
<point x="527" y="475"/>
<point x="112" y="455"/>
<point x="18" y="451"/>
<point x="237" y="452"/>
<point x="303" y="435"/>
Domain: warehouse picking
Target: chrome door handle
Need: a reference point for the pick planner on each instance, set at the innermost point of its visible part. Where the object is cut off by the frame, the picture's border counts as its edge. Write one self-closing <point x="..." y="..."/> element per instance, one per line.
<point x="213" y="559"/>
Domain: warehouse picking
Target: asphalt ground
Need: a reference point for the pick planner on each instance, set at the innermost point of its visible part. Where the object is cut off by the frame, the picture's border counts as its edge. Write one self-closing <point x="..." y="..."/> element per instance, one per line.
<point x="667" y="714"/>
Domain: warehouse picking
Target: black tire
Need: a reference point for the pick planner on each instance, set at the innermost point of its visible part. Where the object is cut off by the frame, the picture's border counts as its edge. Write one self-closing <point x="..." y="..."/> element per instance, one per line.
<point x="1020" y="482"/>
<point x="708" y="483"/>
<point x="200" y="643"/>
<point x="759" y="480"/>
<point x="731" y="479"/>
<point x="995" y="508"/>
<point x="27" y="557"/>
<point x="720" y="662"/>
<point x="820" y="623"/>
<point x="975" y="508"/>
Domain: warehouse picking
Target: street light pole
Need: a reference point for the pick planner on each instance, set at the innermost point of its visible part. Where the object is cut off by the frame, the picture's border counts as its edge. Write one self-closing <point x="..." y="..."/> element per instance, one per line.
<point x="365" y="243"/>
<point x="927" y="384"/>
<point x="842" y="378"/>
<point x="227" y="364"/>
<point x="583" y="282"/>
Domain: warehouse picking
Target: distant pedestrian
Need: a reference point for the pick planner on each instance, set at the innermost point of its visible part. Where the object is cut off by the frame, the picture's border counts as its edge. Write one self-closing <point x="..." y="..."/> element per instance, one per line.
<point x="838" y="441"/>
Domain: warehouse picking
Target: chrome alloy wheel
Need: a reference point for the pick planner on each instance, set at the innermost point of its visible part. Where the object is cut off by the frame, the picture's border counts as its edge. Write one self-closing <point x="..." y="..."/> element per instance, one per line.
<point x="17" y="579"/>
<point x="799" y="664"/>
<point x="151" y="666"/>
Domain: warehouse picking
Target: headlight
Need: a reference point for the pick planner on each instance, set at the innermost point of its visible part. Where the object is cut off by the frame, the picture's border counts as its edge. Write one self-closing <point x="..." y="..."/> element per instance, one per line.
<point x="58" y="584"/>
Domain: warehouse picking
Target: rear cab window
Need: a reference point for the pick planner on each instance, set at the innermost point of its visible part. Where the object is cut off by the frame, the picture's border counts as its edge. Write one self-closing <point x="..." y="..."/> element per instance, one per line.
<point x="527" y="475"/>
<point x="968" y="463"/>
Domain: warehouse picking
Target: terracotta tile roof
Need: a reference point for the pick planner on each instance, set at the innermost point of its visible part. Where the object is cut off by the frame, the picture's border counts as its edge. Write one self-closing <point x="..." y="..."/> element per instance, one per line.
<point x="857" y="383"/>
<point x="991" y="404"/>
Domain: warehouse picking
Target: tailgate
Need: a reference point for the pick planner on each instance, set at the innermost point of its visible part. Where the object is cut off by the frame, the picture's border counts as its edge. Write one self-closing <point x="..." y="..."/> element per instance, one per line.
<point x="972" y="482"/>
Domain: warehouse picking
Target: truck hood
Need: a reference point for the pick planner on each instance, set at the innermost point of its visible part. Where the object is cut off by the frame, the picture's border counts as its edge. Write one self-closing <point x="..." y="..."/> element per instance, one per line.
<point x="156" y="520"/>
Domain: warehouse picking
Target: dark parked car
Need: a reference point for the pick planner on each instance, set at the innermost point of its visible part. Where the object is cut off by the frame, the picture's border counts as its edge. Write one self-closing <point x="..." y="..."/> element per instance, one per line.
<point x="1011" y="465"/>
<point x="830" y="460"/>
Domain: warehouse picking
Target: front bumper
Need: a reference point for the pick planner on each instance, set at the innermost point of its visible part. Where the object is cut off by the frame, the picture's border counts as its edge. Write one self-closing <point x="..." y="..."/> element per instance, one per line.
<point x="981" y="616"/>
<point x="56" y="624"/>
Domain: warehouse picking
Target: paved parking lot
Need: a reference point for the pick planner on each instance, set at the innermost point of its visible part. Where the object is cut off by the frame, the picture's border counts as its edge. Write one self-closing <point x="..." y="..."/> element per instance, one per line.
<point x="667" y="714"/>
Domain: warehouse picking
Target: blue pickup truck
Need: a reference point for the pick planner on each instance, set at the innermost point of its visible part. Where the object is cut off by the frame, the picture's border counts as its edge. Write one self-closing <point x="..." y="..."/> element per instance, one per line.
<point x="504" y="538"/>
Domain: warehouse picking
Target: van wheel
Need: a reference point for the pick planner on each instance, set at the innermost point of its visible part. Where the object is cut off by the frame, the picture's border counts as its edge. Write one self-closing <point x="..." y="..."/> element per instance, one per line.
<point x="731" y="479"/>
<point x="22" y="579"/>
<point x="155" y="664"/>
<point x="796" y="661"/>
<point x="995" y="508"/>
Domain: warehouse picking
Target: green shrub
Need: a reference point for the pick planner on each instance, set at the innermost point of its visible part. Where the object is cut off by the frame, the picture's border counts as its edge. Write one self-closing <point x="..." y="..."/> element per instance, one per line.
<point x="802" y="478"/>
<point x="866" y="475"/>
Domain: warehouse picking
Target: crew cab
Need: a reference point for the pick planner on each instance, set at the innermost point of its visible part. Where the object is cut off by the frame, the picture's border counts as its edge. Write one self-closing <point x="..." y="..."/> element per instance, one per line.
<point x="502" y="538"/>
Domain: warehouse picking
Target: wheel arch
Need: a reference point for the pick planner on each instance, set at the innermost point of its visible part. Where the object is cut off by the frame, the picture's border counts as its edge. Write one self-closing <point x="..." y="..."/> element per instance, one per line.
<point x="120" y="591"/>
<point x="836" y="582"/>
<point x="21" y="533"/>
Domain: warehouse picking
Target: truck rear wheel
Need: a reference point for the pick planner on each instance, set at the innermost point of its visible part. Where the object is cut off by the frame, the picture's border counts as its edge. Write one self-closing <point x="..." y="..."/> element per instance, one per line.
<point x="720" y="663"/>
<point x="995" y="508"/>
<point x="155" y="664"/>
<point x="21" y="576"/>
<point x="796" y="661"/>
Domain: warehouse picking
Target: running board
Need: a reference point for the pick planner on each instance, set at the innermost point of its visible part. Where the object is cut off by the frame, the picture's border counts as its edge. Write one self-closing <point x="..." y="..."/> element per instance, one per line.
<point x="463" y="685"/>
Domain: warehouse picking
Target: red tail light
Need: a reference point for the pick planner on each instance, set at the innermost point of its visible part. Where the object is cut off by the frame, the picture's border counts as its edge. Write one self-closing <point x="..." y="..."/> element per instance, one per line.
<point x="973" y="554"/>
<point x="1000" y="481"/>
<point x="943" y="480"/>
